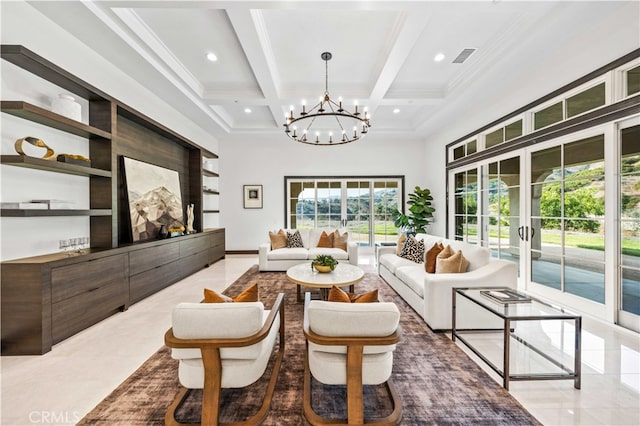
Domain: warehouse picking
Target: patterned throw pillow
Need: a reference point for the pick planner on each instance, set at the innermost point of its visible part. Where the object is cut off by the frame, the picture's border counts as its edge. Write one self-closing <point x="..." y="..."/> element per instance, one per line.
<point x="278" y="240"/>
<point x="326" y="240"/>
<point x="294" y="239"/>
<point x="413" y="250"/>
<point x="248" y="295"/>
<point x="340" y="241"/>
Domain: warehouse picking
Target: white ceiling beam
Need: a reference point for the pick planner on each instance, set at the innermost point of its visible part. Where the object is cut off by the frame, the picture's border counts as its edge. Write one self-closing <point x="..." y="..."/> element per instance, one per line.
<point x="407" y="31"/>
<point x="252" y="34"/>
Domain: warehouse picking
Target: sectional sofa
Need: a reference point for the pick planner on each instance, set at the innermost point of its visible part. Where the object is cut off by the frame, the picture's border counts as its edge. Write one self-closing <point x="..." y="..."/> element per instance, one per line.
<point x="430" y="294"/>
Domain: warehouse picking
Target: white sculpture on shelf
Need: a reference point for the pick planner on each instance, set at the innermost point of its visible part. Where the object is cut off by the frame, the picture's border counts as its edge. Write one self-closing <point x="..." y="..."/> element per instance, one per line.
<point x="190" y="219"/>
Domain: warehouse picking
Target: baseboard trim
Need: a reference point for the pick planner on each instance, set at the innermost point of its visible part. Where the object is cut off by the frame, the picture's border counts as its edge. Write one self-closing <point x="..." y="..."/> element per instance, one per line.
<point x="241" y="252"/>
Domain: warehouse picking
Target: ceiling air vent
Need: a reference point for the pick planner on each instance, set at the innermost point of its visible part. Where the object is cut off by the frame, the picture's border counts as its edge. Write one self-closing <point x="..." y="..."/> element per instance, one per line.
<point x="463" y="56"/>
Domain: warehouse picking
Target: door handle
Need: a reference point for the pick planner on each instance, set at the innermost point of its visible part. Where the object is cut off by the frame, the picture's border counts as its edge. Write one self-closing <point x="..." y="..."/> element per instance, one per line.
<point x="520" y="233"/>
<point x="533" y="232"/>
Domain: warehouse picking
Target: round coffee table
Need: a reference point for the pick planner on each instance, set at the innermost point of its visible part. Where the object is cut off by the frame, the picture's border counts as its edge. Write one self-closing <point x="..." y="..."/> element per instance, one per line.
<point x="344" y="275"/>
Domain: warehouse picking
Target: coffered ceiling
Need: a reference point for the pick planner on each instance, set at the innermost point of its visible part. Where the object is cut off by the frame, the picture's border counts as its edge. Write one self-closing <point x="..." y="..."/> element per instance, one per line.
<point x="268" y="56"/>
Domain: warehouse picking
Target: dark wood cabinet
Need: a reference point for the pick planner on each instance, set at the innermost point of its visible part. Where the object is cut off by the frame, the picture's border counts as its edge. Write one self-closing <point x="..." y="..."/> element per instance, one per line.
<point x="46" y="299"/>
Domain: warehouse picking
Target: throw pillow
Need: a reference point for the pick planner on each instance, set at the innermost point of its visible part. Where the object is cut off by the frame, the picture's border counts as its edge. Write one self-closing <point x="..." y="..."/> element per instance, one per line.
<point x="413" y="250"/>
<point x="336" y="294"/>
<point x="326" y="240"/>
<point x="453" y="264"/>
<point x="248" y="295"/>
<point x="432" y="254"/>
<point x="340" y="241"/>
<point x="294" y="239"/>
<point x="278" y="240"/>
<point x="368" y="297"/>
<point x="447" y="252"/>
<point x="401" y="241"/>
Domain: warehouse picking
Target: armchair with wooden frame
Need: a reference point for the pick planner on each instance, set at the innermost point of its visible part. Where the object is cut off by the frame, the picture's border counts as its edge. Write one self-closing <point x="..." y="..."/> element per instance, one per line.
<point x="225" y="345"/>
<point x="350" y="344"/>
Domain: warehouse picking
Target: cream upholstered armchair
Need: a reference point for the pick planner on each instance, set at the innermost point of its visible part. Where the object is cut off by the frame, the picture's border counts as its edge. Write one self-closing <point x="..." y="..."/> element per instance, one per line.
<point x="224" y="345"/>
<point x="350" y="344"/>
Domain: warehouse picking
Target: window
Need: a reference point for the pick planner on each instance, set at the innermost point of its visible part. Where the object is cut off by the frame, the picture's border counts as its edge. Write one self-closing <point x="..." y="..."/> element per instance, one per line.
<point x="577" y="104"/>
<point x="503" y="134"/>
<point x="548" y="116"/>
<point x="466" y="206"/>
<point x="633" y="81"/>
<point x="465" y="149"/>
<point x="586" y="101"/>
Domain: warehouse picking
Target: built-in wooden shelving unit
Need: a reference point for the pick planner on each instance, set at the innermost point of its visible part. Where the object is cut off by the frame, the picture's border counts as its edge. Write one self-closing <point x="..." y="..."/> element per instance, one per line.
<point x="45" y="299"/>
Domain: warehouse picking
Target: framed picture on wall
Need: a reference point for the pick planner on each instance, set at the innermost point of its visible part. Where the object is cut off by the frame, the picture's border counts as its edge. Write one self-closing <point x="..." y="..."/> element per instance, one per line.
<point x="252" y="196"/>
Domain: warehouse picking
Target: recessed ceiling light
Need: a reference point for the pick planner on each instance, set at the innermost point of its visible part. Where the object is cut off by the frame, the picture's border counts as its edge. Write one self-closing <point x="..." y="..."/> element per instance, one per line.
<point x="247" y="110"/>
<point x="396" y="110"/>
<point x="439" y="57"/>
<point x="212" y="57"/>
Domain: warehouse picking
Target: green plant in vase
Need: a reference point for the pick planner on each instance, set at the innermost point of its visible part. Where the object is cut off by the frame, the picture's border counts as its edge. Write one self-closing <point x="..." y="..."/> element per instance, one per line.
<point x="324" y="263"/>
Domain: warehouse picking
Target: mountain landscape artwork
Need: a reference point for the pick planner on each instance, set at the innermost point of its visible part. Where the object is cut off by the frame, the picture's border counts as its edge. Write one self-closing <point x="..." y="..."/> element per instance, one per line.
<point x="154" y="198"/>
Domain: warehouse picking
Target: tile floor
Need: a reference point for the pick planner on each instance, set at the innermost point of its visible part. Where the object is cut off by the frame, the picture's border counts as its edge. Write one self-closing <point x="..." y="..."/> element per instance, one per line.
<point x="61" y="386"/>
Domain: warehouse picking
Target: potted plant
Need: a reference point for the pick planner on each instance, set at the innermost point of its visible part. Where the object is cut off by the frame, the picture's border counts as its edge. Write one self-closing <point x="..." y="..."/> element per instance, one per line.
<point x="324" y="263"/>
<point x="420" y="212"/>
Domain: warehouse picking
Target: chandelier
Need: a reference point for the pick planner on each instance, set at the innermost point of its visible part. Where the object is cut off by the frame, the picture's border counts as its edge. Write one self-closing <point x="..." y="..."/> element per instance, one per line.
<point x="328" y="122"/>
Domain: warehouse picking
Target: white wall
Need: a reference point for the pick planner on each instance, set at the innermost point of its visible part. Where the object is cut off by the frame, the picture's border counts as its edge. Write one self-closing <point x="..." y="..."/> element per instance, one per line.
<point x="21" y="237"/>
<point x="267" y="164"/>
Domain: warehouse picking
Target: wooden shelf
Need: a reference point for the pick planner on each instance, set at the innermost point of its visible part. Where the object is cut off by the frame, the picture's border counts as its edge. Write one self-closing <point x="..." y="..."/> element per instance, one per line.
<point x="44" y="213"/>
<point x="40" y="115"/>
<point x="211" y="191"/>
<point x="208" y="154"/>
<point x="210" y="173"/>
<point x="210" y="211"/>
<point x="36" y="64"/>
<point x="52" y="166"/>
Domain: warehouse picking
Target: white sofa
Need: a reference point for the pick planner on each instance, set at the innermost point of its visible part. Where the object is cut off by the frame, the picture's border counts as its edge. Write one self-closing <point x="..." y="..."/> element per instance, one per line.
<point x="430" y="295"/>
<point x="283" y="258"/>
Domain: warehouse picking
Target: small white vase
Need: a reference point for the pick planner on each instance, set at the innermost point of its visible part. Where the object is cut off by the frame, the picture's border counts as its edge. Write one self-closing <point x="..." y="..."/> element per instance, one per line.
<point x="66" y="105"/>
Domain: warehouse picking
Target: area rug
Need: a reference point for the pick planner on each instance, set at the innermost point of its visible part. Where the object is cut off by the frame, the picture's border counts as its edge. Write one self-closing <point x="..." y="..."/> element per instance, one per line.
<point x="438" y="383"/>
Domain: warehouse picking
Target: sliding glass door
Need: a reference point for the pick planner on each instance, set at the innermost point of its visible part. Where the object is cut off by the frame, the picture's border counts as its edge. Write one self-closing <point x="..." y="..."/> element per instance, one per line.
<point x="629" y="225"/>
<point x="566" y="210"/>
<point x="362" y="206"/>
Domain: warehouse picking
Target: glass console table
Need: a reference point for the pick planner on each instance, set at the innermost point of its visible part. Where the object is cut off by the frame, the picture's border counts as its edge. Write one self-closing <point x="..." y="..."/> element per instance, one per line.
<point x="521" y="338"/>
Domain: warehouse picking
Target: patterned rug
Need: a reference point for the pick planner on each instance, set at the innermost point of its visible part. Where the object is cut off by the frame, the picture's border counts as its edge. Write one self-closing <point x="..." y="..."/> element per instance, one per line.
<point x="437" y="382"/>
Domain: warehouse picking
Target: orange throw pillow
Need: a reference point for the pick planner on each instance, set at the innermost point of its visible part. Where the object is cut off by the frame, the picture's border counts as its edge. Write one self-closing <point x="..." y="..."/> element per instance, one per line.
<point x="326" y="240"/>
<point x="368" y="297"/>
<point x="248" y="295"/>
<point x="278" y="240"/>
<point x="432" y="254"/>
<point x="340" y="241"/>
<point x="336" y="294"/>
